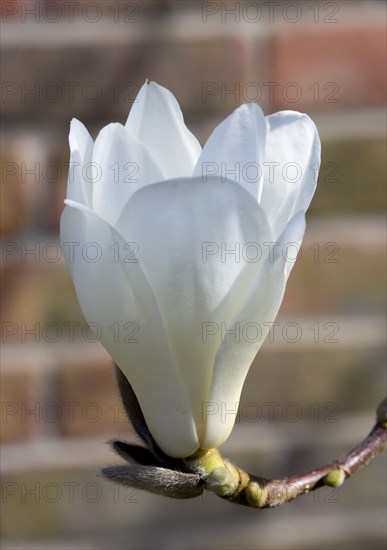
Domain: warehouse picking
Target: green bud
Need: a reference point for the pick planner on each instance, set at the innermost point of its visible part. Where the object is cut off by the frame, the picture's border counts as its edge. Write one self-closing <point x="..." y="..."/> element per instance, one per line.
<point x="222" y="482"/>
<point x="335" y="478"/>
<point x="255" y="495"/>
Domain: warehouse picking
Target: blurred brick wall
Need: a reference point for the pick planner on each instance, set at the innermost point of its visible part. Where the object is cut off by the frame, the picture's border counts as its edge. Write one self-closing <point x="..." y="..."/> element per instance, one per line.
<point x="325" y="61"/>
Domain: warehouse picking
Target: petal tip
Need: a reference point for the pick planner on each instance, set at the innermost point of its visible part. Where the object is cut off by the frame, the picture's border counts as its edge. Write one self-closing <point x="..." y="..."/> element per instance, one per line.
<point x="79" y="135"/>
<point x="76" y="126"/>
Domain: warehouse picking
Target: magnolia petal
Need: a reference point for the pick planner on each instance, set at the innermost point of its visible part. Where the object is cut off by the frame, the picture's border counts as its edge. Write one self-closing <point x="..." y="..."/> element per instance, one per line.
<point x="121" y="166"/>
<point x="117" y="300"/>
<point x="291" y="239"/>
<point x="156" y="120"/>
<point x="79" y="187"/>
<point x="236" y="148"/>
<point x="252" y="323"/>
<point x="291" y="166"/>
<point x="186" y="232"/>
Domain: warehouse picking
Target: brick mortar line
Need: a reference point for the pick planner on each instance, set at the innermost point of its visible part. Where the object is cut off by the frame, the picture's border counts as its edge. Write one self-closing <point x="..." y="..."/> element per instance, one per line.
<point x="344" y="527"/>
<point x="67" y="452"/>
<point x="354" y="331"/>
<point x="346" y="125"/>
<point x="186" y="27"/>
<point x="348" y="229"/>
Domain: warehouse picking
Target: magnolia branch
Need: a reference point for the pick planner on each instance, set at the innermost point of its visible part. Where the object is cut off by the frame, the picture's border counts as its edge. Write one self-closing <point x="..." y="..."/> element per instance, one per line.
<point x="263" y="493"/>
<point x="151" y="470"/>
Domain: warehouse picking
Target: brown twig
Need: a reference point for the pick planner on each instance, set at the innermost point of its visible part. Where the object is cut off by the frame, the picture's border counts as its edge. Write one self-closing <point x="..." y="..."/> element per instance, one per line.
<point x="264" y="493"/>
<point x="150" y="469"/>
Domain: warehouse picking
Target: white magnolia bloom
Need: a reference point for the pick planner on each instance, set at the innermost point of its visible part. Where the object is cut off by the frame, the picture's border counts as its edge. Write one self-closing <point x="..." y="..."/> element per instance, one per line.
<point x="174" y="259"/>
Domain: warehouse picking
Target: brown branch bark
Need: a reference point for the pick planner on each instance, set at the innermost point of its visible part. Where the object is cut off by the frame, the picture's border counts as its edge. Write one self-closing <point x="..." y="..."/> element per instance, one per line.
<point x="264" y="493"/>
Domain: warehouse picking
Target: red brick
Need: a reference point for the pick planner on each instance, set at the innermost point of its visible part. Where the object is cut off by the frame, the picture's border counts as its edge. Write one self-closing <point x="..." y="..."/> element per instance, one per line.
<point x="19" y="394"/>
<point x="88" y="384"/>
<point x="12" y="204"/>
<point x="117" y="73"/>
<point x="353" y="57"/>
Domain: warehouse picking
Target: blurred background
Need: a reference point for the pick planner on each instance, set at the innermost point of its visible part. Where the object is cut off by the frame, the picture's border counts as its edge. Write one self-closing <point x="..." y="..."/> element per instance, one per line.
<point x="313" y="389"/>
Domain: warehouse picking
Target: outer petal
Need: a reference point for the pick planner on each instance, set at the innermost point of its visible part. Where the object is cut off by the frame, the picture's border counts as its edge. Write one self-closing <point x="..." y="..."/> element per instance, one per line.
<point x="236" y="148"/>
<point x="115" y="296"/>
<point x="192" y="239"/>
<point x="79" y="188"/>
<point x="251" y="324"/>
<point x="121" y="166"/>
<point x="157" y="121"/>
<point x="291" y="167"/>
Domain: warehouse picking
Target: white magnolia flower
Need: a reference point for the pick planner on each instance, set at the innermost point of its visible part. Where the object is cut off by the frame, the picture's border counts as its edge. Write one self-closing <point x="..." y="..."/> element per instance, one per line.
<point x="173" y="262"/>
